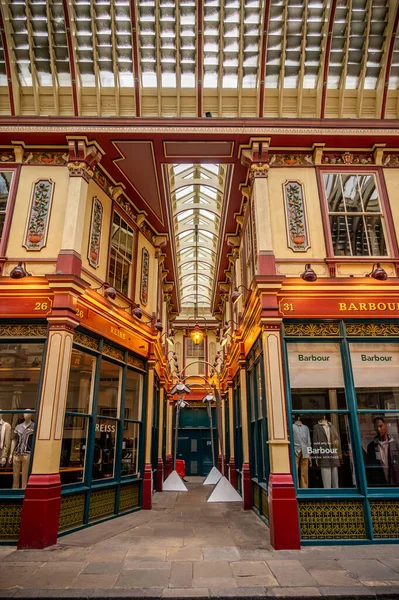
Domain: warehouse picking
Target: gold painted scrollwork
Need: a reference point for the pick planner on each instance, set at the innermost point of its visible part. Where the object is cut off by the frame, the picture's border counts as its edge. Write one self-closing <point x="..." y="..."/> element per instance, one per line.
<point x="311" y="329"/>
<point x="113" y="352"/>
<point x="372" y="329"/>
<point x="10" y="518"/>
<point x="10" y="331"/>
<point x="85" y="340"/>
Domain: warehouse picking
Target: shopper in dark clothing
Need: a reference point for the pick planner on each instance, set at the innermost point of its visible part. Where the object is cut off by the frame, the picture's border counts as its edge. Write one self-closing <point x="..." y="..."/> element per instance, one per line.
<point x="382" y="461"/>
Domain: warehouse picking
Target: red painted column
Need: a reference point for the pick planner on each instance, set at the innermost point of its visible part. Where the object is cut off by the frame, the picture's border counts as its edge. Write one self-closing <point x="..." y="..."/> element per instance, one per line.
<point x="233" y="473"/>
<point x="40" y="512"/>
<point x="220" y="463"/>
<point x="246" y="487"/>
<point x="147" y="479"/>
<point x="42" y="501"/>
<point x="168" y="465"/>
<point x="147" y="487"/>
<point x="283" y="512"/>
<point x="160" y="475"/>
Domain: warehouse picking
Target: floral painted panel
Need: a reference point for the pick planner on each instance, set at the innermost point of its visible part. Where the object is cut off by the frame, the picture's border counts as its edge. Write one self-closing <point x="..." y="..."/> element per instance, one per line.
<point x="145" y="267"/>
<point x="39" y="214"/>
<point x="95" y="233"/>
<point x="295" y="212"/>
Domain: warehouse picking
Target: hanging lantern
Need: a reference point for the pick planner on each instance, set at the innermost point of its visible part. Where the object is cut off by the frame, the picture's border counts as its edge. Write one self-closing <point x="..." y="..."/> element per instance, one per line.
<point x="197" y="335"/>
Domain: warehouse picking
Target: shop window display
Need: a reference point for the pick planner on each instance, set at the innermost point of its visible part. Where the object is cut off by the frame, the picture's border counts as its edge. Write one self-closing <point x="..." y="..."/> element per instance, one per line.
<point x="132" y="424"/>
<point x="107" y="421"/>
<point x="376" y="376"/>
<point x="20" y="367"/>
<point x="77" y="417"/>
<point x="320" y="434"/>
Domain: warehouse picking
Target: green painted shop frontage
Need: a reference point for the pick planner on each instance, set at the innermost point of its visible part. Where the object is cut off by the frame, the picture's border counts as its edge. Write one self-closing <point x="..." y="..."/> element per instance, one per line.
<point x="101" y="460"/>
<point x="342" y="387"/>
<point x="194" y="439"/>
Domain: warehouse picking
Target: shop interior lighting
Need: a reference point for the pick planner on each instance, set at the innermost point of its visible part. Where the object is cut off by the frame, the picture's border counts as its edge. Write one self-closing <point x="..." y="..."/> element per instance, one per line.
<point x="19" y="272"/>
<point x="308" y="274"/>
<point x="378" y="273"/>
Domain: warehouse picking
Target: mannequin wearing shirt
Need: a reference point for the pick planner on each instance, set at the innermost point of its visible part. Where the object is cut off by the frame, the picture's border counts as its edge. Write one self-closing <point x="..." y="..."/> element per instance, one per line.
<point x="302" y="444"/>
<point x="326" y="444"/>
<point x="5" y="441"/>
<point x="21" y="448"/>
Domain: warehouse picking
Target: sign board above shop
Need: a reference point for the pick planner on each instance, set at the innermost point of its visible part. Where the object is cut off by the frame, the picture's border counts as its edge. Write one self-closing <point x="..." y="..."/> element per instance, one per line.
<point x="342" y="307"/>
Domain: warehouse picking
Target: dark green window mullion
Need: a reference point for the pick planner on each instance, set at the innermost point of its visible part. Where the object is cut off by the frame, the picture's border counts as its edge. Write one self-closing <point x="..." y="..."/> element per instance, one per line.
<point x="227" y="430"/>
<point x="289" y="412"/>
<point x="265" y="450"/>
<point x="251" y="423"/>
<point x="119" y="438"/>
<point x="143" y="430"/>
<point x="91" y="435"/>
<point x="357" y="452"/>
<point x="258" y="437"/>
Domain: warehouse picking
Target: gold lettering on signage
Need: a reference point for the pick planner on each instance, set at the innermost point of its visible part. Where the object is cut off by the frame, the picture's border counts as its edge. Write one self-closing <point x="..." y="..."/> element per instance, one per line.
<point x="288" y="307"/>
<point x="41" y="306"/>
<point x="382" y="306"/>
<point x="118" y="333"/>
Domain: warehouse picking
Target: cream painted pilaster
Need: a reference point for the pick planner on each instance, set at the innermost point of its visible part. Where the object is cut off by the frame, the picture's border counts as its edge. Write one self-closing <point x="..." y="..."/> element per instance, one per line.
<point x="275" y="400"/>
<point x="50" y="422"/>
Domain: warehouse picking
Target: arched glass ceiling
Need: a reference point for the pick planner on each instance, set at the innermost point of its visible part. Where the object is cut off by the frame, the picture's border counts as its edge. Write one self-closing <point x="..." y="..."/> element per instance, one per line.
<point x="197" y="197"/>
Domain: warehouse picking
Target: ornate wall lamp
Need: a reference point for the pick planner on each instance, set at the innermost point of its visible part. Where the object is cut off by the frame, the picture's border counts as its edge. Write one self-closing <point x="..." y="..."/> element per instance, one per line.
<point x="170" y="337"/>
<point x="109" y="290"/>
<point x="308" y="274"/>
<point x="236" y="294"/>
<point x="378" y="273"/>
<point x="19" y="272"/>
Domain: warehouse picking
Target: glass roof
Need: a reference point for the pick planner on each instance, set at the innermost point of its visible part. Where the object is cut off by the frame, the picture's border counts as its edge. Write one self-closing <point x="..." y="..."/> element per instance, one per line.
<point x="197" y="197"/>
<point x="165" y="37"/>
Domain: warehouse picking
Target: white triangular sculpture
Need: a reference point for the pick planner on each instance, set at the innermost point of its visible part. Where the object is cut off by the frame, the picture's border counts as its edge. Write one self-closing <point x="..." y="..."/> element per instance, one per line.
<point x="224" y="492"/>
<point x="174" y="483"/>
<point x="213" y="477"/>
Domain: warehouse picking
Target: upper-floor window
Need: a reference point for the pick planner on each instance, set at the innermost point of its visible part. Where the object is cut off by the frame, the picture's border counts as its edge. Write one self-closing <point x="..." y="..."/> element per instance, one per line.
<point x="195" y="353"/>
<point x="355" y="214"/>
<point x="5" y="186"/>
<point x="121" y="256"/>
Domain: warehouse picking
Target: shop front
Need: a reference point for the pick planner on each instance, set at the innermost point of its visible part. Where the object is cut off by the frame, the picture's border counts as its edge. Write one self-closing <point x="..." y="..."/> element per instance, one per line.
<point x="342" y="385"/>
<point x="101" y="456"/>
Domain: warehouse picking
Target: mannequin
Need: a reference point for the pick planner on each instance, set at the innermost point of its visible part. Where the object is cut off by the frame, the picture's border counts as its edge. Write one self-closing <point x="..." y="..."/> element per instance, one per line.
<point x="5" y="441"/>
<point x="21" y="448"/>
<point x="326" y="444"/>
<point x="302" y="444"/>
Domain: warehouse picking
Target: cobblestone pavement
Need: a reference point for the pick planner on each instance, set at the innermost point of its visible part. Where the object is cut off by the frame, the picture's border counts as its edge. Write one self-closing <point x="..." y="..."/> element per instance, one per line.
<point x="186" y="548"/>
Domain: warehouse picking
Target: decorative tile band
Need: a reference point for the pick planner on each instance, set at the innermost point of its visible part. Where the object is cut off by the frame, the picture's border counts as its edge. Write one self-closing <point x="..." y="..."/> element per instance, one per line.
<point x="332" y="520"/>
<point x="10" y="519"/>
<point x="39" y="215"/>
<point x="102" y="504"/>
<point x="72" y="512"/>
<point x="385" y="518"/>
<point x="129" y="497"/>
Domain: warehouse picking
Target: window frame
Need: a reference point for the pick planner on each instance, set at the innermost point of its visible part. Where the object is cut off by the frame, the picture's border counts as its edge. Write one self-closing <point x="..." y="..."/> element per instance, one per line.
<point x="9" y="207"/>
<point x="131" y="295"/>
<point x="386" y="214"/>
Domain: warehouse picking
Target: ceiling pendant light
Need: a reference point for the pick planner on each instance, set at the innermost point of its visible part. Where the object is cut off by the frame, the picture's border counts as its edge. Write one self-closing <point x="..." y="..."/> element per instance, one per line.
<point x="196" y="334"/>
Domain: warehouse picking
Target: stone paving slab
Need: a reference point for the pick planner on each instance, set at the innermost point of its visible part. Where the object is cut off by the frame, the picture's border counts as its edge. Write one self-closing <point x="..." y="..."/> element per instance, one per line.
<point x="185" y="548"/>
